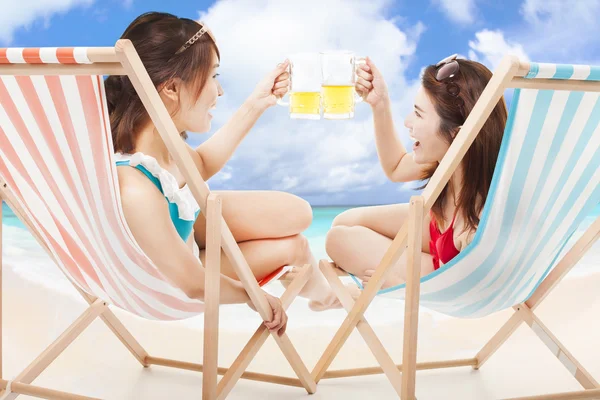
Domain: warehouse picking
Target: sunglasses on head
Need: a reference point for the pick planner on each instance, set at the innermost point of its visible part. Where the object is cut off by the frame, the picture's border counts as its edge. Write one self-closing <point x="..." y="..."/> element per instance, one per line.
<point x="446" y="71"/>
<point x="447" y="68"/>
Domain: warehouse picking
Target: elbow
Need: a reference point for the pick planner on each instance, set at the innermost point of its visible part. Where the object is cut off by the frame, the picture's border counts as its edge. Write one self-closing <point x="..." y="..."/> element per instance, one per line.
<point x="390" y="175"/>
<point x="394" y="176"/>
<point x="391" y="172"/>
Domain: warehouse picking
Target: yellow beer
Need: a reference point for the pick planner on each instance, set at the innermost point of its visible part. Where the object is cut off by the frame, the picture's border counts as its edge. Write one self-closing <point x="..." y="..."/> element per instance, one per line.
<point x="338" y="101"/>
<point x="305" y="104"/>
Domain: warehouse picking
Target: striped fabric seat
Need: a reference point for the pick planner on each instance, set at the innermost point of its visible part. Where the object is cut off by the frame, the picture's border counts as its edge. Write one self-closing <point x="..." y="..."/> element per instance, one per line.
<point x="56" y="155"/>
<point x="546" y="181"/>
<point x="45" y="55"/>
<point x="58" y="173"/>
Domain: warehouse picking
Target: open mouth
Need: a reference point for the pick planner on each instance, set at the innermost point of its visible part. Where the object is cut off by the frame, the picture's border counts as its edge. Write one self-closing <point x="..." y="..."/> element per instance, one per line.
<point x="417" y="143"/>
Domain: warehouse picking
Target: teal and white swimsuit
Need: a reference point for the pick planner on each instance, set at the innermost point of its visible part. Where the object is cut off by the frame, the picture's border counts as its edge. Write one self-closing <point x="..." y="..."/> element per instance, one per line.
<point x="183" y="208"/>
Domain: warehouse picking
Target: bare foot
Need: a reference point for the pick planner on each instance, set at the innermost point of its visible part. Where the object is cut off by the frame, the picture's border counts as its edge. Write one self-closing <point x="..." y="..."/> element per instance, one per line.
<point x="391" y="281"/>
<point x="287" y="278"/>
<point x="332" y="302"/>
<point x="317" y="290"/>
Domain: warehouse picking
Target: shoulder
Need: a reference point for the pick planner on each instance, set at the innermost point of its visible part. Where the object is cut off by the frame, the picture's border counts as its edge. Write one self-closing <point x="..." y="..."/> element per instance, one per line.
<point x="137" y="189"/>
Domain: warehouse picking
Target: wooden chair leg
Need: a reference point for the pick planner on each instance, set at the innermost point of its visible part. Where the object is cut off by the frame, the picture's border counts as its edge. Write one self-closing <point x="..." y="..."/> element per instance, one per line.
<point x="211" y="298"/>
<point x="292" y="356"/>
<point x="58" y="346"/>
<point x="570" y="259"/>
<point x="390" y="258"/>
<point x="557" y="348"/>
<point x="260" y="336"/>
<point x="381" y="355"/>
<point x="498" y="340"/>
<point x="413" y="285"/>
<point x="107" y="316"/>
<point x="17" y="388"/>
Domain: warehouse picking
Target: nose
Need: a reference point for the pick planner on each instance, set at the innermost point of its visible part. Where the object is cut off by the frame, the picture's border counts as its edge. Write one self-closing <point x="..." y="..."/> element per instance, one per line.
<point x="220" y="89"/>
<point x="408" y="121"/>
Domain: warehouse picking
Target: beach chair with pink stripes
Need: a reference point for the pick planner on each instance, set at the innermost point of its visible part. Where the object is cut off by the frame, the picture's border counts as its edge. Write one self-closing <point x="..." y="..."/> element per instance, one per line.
<point x="58" y="174"/>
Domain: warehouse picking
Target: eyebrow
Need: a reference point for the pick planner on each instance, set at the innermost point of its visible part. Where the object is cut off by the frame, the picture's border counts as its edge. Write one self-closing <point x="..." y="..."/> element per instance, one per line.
<point x="216" y="65"/>
<point x="419" y="108"/>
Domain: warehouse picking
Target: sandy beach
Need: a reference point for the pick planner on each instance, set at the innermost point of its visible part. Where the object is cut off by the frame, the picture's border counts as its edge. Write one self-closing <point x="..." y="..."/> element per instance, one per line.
<point x="98" y="365"/>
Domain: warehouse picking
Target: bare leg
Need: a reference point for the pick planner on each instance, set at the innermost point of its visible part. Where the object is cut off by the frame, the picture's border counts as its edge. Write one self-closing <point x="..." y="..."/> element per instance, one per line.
<point x="360" y="237"/>
<point x="267" y="227"/>
<point x="253" y="215"/>
<point x="266" y="255"/>
<point x="386" y="220"/>
<point x="359" y="250"/>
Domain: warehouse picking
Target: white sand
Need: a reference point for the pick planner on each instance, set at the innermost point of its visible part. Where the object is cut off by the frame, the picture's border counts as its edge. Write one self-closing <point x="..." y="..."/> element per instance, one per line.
<point x="98" y="365"/>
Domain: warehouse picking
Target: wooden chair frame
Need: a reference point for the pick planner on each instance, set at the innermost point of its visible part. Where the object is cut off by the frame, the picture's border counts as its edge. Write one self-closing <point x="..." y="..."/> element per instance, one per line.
<point x="124" y="60"/>
<point x="509" y="74"/>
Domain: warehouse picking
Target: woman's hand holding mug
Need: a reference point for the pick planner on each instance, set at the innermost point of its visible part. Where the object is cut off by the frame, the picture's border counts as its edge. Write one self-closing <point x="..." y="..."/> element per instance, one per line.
<point x="370" y="84"/>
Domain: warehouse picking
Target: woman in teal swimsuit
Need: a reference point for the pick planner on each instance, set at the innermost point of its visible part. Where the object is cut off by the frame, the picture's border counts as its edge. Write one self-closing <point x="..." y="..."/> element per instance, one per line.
<point x="182" y="58"/>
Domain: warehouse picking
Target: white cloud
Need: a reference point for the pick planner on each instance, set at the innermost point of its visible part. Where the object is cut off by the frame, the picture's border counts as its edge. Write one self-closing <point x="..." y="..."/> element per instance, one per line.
<point x="305" y="157"/>
<point x="489" y="47"/>
<point x="22" y="14"/>
<point x="560" y="31"/>
<point x="459" y="11"/>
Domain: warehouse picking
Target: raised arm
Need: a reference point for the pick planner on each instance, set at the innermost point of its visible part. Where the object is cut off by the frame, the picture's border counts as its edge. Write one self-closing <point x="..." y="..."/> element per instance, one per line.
<point x="398" y="165"/>
<point x="213" y="154"/>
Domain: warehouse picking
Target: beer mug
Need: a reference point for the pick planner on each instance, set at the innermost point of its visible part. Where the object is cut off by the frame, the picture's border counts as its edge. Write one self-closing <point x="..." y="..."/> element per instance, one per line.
<point x="305" y="86"/>
<point x="338" y="79"/>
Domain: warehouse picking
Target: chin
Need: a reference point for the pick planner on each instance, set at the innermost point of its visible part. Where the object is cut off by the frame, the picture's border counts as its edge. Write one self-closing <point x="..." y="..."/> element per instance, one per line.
<point x="417" y="158"/>
<point x="204" y="128"/>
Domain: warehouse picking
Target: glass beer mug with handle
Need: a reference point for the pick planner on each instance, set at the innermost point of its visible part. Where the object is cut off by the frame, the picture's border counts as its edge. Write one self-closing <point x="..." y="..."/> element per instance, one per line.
<point x="305" y="86"/>
<point x="338" y="70"/>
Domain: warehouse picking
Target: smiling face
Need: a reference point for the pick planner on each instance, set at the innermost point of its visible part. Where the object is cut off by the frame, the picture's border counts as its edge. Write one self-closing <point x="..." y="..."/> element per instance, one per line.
<point x="194" y="115"/>
<point x="423" y="124"/>
<point x="189" y="111"/>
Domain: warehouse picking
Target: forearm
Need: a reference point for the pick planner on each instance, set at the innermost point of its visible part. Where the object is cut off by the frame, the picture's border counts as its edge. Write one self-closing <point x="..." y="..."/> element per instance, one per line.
<point x="217" y="150"/>
<point x="389" y="147"/>
<point x="232" y="292"/>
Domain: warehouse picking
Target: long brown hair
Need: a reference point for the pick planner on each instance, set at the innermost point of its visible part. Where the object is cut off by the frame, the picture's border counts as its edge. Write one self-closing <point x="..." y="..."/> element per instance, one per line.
<point x="156" y="37"/>
<point x="480" y="160"/>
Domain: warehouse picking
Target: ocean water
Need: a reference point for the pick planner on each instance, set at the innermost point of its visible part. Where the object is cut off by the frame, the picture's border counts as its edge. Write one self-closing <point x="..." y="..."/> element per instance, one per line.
<point x="24" y="256"/>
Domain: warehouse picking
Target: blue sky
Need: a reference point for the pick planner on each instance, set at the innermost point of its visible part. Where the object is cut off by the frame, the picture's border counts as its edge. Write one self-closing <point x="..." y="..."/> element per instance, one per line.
<point x="326" y="162"/>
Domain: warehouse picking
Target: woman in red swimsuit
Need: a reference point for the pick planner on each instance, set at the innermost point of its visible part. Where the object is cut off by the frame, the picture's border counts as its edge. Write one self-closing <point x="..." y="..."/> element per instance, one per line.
<point x="449" y="90"/>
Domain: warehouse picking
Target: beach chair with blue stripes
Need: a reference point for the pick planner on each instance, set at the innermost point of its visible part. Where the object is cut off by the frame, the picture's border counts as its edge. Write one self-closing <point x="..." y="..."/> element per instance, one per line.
<point x="58" y="175"/>
<point x="546" y="181"/>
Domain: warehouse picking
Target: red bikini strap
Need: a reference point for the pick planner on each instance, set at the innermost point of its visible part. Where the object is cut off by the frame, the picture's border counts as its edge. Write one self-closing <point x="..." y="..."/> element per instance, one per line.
<point x="453" y="218"/>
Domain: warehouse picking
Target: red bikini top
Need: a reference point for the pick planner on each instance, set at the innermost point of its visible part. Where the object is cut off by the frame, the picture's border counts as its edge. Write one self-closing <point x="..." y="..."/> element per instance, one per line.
<point x="442" y="246"/>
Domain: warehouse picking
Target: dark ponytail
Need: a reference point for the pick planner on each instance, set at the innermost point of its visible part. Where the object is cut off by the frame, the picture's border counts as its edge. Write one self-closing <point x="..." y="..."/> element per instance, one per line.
<point x="156" y="37"/>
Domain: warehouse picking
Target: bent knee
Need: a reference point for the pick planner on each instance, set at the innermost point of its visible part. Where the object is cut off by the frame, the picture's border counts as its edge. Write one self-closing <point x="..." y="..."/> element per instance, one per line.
<point x="349" y="217"/>
<point x="336" y="240"/>
<point x="299" y="249"/>
<point x="297" y="213"/>
<point x="304" y="214"/>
